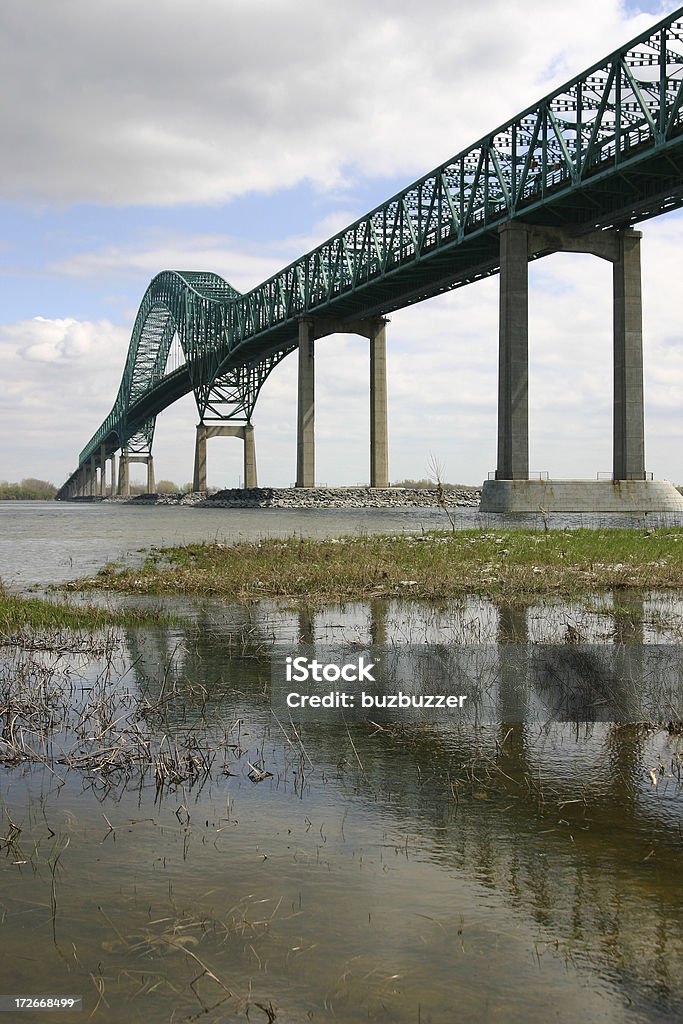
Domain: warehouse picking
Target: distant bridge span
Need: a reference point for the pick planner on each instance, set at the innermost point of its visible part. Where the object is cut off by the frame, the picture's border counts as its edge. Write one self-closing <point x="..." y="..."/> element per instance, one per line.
<point x="574" y="172"/>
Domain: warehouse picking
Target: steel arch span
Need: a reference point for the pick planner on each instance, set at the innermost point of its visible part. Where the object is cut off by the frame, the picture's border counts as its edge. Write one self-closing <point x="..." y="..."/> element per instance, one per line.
<point x="191" y="307"/>
<point x="603" y="151"/>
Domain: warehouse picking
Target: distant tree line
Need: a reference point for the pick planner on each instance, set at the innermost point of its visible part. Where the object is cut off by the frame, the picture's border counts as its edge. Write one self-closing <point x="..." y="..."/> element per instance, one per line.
<point x="419" y="484"/>
<point x="28" y="490"/>
<point x="168" y="487"/>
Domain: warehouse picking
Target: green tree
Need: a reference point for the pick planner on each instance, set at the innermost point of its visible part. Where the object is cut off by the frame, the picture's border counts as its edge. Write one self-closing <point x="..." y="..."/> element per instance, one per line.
<point x="29" y="489"/>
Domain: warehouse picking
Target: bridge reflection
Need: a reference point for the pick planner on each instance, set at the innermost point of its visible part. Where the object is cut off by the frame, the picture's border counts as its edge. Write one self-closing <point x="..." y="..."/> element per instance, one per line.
<point x="573" y="827"/>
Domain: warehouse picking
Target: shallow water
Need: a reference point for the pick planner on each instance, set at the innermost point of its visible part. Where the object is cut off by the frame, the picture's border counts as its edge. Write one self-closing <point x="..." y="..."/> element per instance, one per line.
<point x="336" y="872"/>
<point x="44" y="542"/>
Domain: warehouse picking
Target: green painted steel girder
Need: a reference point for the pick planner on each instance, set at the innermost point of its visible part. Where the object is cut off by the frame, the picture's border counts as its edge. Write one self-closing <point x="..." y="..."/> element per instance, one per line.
<point x="603" y="150"/>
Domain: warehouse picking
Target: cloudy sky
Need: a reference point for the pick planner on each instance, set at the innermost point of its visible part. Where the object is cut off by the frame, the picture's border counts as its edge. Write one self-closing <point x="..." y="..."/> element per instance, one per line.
<point x="234" y="135"/>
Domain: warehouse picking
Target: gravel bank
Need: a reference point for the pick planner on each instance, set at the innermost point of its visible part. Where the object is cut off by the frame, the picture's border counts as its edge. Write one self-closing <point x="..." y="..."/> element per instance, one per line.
<point x="315" y="497"/>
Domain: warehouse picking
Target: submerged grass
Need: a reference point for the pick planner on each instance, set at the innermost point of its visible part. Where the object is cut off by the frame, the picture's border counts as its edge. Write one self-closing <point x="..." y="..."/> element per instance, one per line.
<point x="19" y="614"/>
<point x="511" y="563"/>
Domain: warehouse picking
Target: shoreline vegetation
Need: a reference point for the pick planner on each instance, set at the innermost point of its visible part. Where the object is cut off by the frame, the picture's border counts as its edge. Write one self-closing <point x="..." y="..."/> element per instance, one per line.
<point x="29" y="489"/>
<point x="20" y="614"/>
<point x="516" y="565"/>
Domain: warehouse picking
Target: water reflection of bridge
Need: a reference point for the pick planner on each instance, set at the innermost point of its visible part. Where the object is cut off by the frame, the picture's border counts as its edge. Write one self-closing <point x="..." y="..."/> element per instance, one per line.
<point x="565" y="828"/>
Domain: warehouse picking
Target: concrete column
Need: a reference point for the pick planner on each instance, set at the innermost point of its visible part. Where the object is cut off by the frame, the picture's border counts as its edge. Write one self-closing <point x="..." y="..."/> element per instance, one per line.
<point x="305" y="439"/>
<point x="124" y="475"/>
<point x="629" y="429"/>
<point x="199" y="477"/>
<point x="103" y="472"/>
<point x="112" y="474"/>
<point x="151" y="485"/>
<point x="513" y="355"/>
<point x="93" y="477"/>
<point x="250" y="478"/>
<point x="379" y="439"/>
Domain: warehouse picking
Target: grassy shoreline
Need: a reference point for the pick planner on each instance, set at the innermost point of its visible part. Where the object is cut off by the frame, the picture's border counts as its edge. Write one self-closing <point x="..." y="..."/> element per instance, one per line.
<point x="19" y="613"/>
<point x="432" y="566"/>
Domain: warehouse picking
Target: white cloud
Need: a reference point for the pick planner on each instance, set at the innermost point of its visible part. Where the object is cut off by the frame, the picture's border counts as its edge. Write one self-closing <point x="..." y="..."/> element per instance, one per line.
<point x="61" y="378"/>
<point x="245" y="265"/>
<point x="122" y="102"/>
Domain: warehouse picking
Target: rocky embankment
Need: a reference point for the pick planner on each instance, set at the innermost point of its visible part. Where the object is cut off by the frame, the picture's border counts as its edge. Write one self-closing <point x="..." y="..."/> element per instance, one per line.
<point x="318" y="497"/>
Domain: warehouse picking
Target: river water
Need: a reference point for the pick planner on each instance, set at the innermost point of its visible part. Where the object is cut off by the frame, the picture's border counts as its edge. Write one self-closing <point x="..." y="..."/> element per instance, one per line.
<point x="49" y="542"/>
<point x="170" y="849"/>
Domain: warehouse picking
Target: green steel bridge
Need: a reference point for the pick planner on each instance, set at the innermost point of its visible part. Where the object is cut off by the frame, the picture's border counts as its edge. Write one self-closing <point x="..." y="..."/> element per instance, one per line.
<point x="598" y="155"/>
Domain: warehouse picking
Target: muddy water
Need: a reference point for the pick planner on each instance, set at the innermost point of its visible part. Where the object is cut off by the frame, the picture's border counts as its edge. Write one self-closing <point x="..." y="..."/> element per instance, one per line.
<point x="337" y="873"/>
<point x="170" y="850"/>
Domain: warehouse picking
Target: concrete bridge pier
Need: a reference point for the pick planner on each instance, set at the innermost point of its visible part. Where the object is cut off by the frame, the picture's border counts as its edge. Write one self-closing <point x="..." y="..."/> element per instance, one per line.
<point x="311" y="329"/>
<point x="245" y="431"/>
<point x="513" y="355"/>
<point x="103" y="472"/>
<point x="123" y="489"/>
<point x="112" y="474"/>
<point x="124" y="472"/>
<point x="629" y="428"/>
<point x="629" y="490"/>
<point x="305" y="429"/>
<point x="379" y="433"/>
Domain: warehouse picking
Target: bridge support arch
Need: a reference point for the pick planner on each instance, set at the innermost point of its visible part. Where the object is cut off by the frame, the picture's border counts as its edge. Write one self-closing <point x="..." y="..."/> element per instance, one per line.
<point x="629" y="489"/>
<point x="245" y="431"/>
<point x="125" y="460"/>
<point x="310" y="330"/>
<point x="519" y="241"/>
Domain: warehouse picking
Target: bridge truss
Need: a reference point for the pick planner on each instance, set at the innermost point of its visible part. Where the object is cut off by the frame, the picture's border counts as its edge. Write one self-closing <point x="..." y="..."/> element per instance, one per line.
<point x="603" y="150"/>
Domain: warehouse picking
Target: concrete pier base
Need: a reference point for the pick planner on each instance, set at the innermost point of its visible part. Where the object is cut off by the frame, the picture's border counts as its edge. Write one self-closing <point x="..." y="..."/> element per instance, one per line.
<point x="580" y="496"/>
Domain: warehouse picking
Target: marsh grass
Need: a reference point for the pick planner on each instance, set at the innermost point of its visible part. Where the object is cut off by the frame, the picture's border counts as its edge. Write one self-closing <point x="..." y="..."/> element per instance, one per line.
<point x="117" y="737"/>
<point x="518" y="564"/>
<point x="24" y="618"/>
